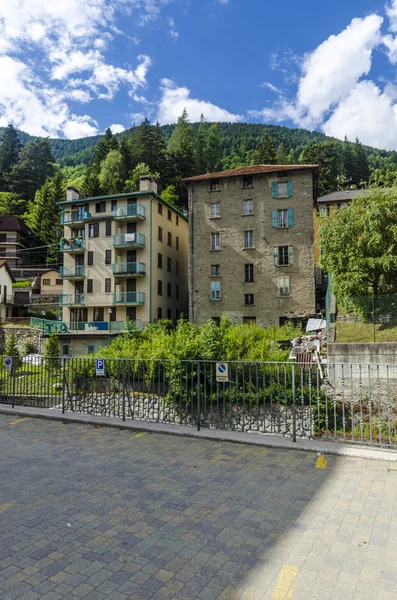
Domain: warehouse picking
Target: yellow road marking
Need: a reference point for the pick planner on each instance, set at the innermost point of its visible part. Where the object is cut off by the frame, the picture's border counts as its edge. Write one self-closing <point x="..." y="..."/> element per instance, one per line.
<point x="137" y="435"/>
<point x="286" y="583"/>
<point x="321" y="462"/>
<point x="5" y="506"/>
<point x="19" y="421"/>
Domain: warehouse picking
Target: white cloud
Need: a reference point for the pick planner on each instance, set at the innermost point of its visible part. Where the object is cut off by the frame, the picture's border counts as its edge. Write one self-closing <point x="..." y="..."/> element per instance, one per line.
<point x="174" y="99"/>
<point x="117" y="128"/>
<point x="391" y="11"/>
<point x="271" y="87"/>
<point x="172" y="32"/>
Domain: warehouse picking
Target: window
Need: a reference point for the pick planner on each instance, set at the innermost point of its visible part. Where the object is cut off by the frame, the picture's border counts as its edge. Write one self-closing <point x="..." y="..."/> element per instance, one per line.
<point x="249" y="321"/>
<point x="90" y="348"/>
<point x="65" y="349"/>
<point x="58" y="282"/>
<point x="90" y="286"/>
<point x="215" y="270"/>
<point x="159" y="288"/>
<point x="159" y="313"/>
<point x="93" y="230"/>
<point x="177" y="267"/>
<point x="283" y="286"/>
<point x="176" y="220"/>
<point x="90" y="258"/>
<point x="169" y="239"/>
<point x="214" y="185"/>
<point x="249" y="273"/>
<point x="169" y="313"/>
<point x="108" y="228"/>
<point x="113" y="204"/>
<point x="177" y="292"/>
<point x="283" y="255"/>
<point x="282" y="189"/>
<point x="169" y="264"/>
<point x="99" y="314"/>
<point x="108" y="257"/>
<point x="215" y="241"/>
<point x="215" y="210"/>
<point x="159" y="261"/>
<point x="169" y="215"/>
<point x="247" y="181"/>
<point x="177" y="243"/>
<point x="169" y="290"/>
<point x="3" y="237"/>
<point x="108" y="285"/>
<point x="159" y="208"/>
<point x="324" y="210"/>
<point x="46" y="281"/>
<point x="113" y="314"/>
<point x="282" y="218"/>
<point x="248" y="299"/>
<point x="248" y="207"/>
<point x="215" y="289"/>
<point x="100" y="207"/>
<point x="248" y="239"/>
<point x="160" y="234"/>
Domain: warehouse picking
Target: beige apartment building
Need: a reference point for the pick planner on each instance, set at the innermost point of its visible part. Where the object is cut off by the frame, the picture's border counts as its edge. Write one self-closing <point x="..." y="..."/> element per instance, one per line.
<point x="125" y="257"/>
<point x="251" y="244"/>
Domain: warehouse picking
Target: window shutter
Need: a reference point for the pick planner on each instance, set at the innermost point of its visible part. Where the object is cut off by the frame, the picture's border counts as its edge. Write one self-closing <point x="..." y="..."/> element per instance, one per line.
<point x="290" y="217"/>
<point x="275" y="256"/>
<point x="290" y="255"/>
<point x="290" y="187"/>
<point x="274" y="218"/>
<point x="274" y="189"/>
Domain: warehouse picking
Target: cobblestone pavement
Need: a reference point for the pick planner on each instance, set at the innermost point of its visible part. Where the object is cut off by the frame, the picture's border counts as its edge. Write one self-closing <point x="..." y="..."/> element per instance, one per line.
<point x="97" y="513"/>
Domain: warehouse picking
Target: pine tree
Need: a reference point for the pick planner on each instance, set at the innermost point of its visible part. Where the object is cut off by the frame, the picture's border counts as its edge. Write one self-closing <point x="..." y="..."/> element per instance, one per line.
<point x="160" y="153"/>
<point x="201" y="147"/>
<point x="103" y="147"/>
<point x="10" y="147"/>
<point x="111" y="173"/>
<point x="51" y="353"/>
<point x="214" y="148"/>
<point x="35" y="164"/>
<point x="266" y="154"/>
<point x="281" y="158"/>
<point x="91" y="187"/>
<point x="181" y="146"/>
<point x="143" y="149"/>
<point x="12" y="350"/>
<point x="128" y="163"/>
<point x="361" y="164"/>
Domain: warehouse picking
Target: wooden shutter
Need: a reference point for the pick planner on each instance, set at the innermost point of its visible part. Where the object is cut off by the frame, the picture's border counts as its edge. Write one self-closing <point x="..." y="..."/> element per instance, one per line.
<point x="275" y="256"/>
<point x="274" y="218"/>
<point x="290" y="217"/>
<point x="274" y="189"/>
<point x="291" y="255"/>
<point x="290" y="188"/>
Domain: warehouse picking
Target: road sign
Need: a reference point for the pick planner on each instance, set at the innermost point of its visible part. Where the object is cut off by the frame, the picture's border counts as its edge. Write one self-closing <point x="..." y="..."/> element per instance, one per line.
<point x="222" y="371"/>
<point x="8" y="363"/>
<point x="100" y="367"/>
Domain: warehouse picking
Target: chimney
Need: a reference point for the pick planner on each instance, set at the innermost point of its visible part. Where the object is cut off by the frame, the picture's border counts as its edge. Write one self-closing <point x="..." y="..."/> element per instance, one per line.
<point x="72" y="194"/>
<point x="147" y="184"/>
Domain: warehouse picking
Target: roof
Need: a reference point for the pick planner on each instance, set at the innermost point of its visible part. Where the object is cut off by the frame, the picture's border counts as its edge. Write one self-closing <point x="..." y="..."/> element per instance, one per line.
<point x="50" y="271"/>
<point x="9" y="223"/>
<point x="3" y="263"/>
<point x="253" y="170"/>
<point x="343" y="195"/>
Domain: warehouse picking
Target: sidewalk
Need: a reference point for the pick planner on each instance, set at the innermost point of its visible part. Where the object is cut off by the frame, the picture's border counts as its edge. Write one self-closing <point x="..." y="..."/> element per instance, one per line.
<point x="265" y="440"/>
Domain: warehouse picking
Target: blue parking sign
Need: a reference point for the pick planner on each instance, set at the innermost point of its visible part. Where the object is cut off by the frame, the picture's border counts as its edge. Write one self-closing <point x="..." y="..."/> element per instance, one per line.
<point x="100" y="367"/>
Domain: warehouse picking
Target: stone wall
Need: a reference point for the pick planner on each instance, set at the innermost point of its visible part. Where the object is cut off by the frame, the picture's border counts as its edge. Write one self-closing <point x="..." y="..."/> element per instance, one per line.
<point x="22" y="334"/>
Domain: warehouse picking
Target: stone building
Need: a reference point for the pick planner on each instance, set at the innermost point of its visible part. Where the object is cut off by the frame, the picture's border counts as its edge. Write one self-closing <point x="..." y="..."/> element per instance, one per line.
<point x="251" y="244"/>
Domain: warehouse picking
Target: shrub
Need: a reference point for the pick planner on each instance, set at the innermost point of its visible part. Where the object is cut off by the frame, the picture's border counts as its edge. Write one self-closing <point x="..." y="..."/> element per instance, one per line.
<point x="51" y="352"/>
<point x="11" y="349"/>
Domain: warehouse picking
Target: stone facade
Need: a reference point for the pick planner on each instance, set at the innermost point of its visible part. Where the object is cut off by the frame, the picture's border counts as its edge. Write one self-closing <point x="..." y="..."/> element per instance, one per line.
<point x="269" y="306"/>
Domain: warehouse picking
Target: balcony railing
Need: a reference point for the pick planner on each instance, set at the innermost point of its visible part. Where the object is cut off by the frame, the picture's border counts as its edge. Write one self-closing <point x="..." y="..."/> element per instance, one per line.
<point x="72" y="245"/>
<point x="132" y="298"/>
<point x="129" y="268"/>
<point x="74" y="216"/>
<point x="129" y="240"/>
<point x="84" y="327"/>
<point x="132" y="212"/>
<point x="77" y="272"/>
<point x="71" y="299"/>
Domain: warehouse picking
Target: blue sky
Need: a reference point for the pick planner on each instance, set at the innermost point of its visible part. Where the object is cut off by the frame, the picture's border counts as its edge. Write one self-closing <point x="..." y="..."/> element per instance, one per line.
<point x="72" y="68"/>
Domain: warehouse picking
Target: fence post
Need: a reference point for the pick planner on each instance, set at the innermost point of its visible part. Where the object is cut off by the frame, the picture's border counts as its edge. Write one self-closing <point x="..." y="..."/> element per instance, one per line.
<point x="63" y="385"/>
<point x="198" y="397"/>
<point x="123" y="389"/>
<point x="293" y="405"/>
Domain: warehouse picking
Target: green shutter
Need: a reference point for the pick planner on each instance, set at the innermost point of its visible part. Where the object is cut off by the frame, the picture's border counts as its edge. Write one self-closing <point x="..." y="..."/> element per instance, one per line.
<point x="290" y="217"/>
<point x="290" y="187"/>
<point x="275" y="256"/>
<point x="274" y="219"/>
<point x="290" y="255"/>
<point x="274" y="189"/>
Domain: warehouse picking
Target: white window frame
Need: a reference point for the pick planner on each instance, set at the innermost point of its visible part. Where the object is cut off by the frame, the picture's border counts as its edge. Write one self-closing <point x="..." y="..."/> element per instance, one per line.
<point x="215" y="210"/>
<point x="282" y="189"/>
<point x="214" y="245"/>
<point x="282" y="218"/>
<point x="248" y="207"/>
<point x="215" y="290"/>
<point x="284" y="289"/>
<point x="248" y="239"/>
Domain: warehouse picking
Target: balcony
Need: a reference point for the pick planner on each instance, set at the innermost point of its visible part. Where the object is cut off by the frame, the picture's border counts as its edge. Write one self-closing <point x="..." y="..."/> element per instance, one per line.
<point x="72" y="300"/>
<point x="77" y="272"/>
<point x="73" y="245"/>
<point x="129" y="268"/>
<point x="133" y="212"/>
<point x="82" y="327"/>
<point x="131" y="298"/>
<point x="129" y="240"/>
<point x="74" y="216"/>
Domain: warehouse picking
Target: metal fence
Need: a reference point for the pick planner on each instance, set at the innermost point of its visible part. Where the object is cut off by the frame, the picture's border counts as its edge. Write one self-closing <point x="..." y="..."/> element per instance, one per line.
<point x="351" y="403"/>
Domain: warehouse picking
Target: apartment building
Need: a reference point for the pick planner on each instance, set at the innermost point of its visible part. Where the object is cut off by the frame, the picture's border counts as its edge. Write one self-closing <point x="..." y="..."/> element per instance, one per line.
<point x="251" y="244"/>
<point x="14" y="235"/>
<point x="125" y="257"/>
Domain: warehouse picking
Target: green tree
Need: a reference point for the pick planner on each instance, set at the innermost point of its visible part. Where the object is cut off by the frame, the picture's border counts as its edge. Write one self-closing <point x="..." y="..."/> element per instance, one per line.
<point x="91" y="187"/>
<point x="132" y="184"/>
<point x="11" y="349"/>
<point x="361" y="166"/>
<point x="10" y="204"/>
<point x="111" y="175"/>
<point x="266" y="154"/>
<point x="214" y="148"/>
<point x="170" y="195"/>
<point x="359" y="246"/>
<point x="201" y="147"/>
<point x="10" y="147"/>
<point x="128" y="164"/>
<point x="181" y="146"/>
<point x="160" y="164"/>
<point x="35" y="164"/>
<point x="329" y="156"/>
<point x="281" y="157"/>
<point x="51" y="352"/>
<point x="107" y="143"/>
<point x="143" y="148"/>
